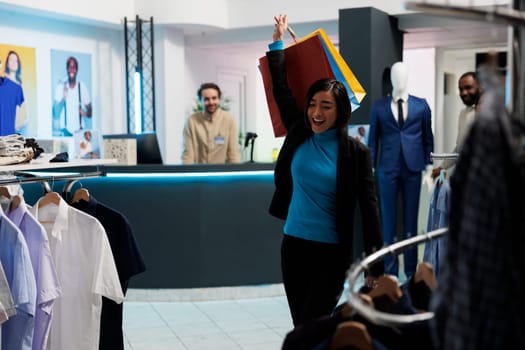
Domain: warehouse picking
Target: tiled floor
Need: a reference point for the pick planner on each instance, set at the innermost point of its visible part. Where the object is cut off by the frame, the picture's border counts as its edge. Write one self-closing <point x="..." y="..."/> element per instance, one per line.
<point x="228" y="318"/>
<point x="241" y="323"/>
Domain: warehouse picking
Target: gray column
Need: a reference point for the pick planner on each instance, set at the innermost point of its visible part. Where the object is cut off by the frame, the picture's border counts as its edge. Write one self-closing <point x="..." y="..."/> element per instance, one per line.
<point x="370" y="42"/>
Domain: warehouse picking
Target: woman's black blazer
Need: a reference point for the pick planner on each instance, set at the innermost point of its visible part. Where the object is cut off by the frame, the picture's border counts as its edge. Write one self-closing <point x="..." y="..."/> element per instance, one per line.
<point x="354" y="182"/>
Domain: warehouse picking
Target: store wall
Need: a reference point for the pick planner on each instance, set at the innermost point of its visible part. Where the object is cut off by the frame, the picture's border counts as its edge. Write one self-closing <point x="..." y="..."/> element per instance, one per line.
<point x="104" y="44"/>
<point x="421" y="65"/>
<point x="170" y="76"/>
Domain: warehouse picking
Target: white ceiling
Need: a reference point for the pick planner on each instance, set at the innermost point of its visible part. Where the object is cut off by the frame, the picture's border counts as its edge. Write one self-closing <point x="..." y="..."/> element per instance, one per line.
<point x="421" y="31"/>
<point x="443" y="32"/>
<point x="456" y="38"/>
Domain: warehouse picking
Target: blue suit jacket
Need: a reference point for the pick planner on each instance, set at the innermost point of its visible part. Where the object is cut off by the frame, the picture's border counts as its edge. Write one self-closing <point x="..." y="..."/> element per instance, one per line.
<point x="387" y="140"/>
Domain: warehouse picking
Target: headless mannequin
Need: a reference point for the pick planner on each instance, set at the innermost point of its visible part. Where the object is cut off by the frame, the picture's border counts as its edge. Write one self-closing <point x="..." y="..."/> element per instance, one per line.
<point x="400" y="152"/>
<point x="399" y="79"/>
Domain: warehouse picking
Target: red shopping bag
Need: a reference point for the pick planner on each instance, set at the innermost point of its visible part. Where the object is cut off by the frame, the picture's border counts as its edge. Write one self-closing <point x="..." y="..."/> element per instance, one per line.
<point x="311" y="59"/>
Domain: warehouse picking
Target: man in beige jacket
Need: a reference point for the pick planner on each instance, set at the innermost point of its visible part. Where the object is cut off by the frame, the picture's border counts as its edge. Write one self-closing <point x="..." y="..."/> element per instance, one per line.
<point x="211" y="136"/>
<point x="470" y="93"/>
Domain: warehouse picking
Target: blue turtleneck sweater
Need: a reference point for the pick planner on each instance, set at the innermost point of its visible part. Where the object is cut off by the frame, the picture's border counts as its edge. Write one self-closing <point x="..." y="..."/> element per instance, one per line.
<point x="311" y="214"/>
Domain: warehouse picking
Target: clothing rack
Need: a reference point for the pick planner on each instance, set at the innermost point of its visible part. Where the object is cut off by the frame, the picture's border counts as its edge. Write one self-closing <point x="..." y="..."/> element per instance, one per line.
<point x="24" y="178"/>
<point x="444" y="155"/>
<point x="25" y="173"/>
<point x="379" y="317"/>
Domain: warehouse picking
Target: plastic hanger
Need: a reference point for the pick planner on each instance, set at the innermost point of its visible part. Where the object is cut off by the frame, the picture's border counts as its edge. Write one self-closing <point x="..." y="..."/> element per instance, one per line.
<point x="80" y="194"/>
<point x="49" y="198"/>
<point x="351" y="334"/>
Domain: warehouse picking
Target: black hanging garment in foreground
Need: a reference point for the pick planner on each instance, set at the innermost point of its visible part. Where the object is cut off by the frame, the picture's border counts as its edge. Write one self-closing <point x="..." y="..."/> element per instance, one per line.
<point x="129" y="263"/>
<point x="479" y="303"/>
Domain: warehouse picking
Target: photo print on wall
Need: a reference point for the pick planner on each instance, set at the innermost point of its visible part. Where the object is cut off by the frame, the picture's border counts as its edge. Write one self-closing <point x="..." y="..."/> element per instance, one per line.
<point x="18" y="64"/>
<point x="87" y="144"/>
<point x="71" y="92"/>
<point x="359" y="132"/>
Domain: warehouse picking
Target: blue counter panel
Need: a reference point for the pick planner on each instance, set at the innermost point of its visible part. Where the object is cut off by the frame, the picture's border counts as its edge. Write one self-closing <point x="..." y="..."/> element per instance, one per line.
<point x="194" y="229"/>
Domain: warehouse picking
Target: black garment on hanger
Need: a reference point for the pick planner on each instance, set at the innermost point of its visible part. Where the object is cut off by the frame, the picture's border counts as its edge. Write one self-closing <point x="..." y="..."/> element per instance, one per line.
<point x="415" y="336"/>
<point x="128" y="260"/>
<point x="316" y="334"/>
<point x="419" y="294"/>
<point x="479" y="302"/>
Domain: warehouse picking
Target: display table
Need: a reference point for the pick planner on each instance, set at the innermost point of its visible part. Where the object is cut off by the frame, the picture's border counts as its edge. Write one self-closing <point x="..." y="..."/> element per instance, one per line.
<point x="196" y="226"/>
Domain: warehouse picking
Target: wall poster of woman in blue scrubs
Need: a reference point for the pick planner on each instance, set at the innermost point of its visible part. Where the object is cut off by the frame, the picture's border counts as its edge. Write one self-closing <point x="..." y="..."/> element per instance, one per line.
<point x="19" y="66"/>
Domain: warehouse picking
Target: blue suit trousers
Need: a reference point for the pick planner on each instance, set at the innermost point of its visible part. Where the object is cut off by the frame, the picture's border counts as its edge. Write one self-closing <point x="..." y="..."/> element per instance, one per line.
<point x="406" y="183"/>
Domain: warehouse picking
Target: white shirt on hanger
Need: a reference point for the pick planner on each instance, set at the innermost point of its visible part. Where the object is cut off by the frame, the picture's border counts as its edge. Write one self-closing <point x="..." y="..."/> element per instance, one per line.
<point x="86" y="270"/>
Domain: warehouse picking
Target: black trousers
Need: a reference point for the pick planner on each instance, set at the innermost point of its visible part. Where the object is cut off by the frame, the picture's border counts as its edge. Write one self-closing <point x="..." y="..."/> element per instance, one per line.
<point x="313" y="276"/>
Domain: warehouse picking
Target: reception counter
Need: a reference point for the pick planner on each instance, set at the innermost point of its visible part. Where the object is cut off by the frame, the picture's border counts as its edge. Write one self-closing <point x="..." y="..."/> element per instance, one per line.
<point x="196" y="226"/>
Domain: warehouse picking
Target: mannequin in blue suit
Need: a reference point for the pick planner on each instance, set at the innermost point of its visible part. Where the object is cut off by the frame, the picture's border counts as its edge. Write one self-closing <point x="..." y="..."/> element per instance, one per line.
<point x="400" y="152"/>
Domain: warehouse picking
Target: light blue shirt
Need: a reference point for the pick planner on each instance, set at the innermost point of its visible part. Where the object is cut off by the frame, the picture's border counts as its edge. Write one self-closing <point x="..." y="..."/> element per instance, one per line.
<point x="311" y="214"/>
<point x="437" y="218"/>
<point x="17" y="332"/>
<point x="47" y="284"/>
<point x="5" y="298"/>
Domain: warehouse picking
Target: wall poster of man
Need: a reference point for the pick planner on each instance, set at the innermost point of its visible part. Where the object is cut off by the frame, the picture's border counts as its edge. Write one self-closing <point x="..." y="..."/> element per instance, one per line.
<point x="18" y="64"/>
<point x="71" y="92"/>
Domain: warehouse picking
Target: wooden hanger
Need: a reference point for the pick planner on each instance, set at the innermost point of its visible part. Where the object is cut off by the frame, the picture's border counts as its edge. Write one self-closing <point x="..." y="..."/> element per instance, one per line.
<point x="367" y="299"/>
<point x="386" y="286"/>
<point x="346" y="311"/>
<point x="4" y="192"/>
<point x="80" y="194"/>
<point x="351" y="334"/>
<point x="49" y="198"/>
<point x="16" y="201"/>
<point x="425" y="273"/>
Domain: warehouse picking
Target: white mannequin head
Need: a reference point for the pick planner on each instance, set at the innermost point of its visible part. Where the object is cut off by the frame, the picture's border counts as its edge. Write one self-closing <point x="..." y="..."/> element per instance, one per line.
<point x="399" y="78"/>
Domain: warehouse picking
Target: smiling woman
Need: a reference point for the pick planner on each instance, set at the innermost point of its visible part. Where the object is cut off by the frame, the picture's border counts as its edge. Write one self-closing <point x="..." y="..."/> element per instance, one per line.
<point x="320" y="170"/>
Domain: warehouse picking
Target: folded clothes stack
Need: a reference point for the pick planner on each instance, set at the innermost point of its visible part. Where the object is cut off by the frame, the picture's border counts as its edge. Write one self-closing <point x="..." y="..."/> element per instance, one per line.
<point x="13" y="150"/>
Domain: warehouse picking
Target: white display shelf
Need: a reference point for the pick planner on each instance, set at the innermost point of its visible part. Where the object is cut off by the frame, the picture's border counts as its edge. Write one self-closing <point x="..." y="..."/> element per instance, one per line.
<point x="41" y="164"/>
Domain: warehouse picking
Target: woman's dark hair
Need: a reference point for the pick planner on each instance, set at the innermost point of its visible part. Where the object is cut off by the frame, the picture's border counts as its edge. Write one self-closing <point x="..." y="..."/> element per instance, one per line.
<point x="342" y="101"/>
<point x="18" y="72"/>
<point x="208" y="86"/>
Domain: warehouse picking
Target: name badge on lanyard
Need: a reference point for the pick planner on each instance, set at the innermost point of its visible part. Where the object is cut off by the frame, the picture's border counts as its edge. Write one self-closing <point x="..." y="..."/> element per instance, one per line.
<point x="219" y="140"/>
